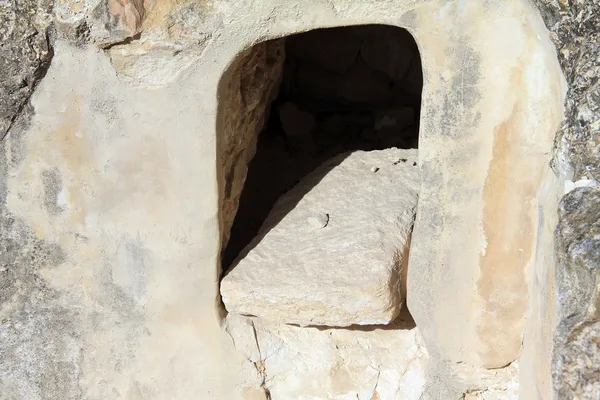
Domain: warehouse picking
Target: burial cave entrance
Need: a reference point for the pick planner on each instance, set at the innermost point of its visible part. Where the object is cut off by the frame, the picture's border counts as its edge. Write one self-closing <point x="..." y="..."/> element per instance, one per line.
<point x="302" y="100"/>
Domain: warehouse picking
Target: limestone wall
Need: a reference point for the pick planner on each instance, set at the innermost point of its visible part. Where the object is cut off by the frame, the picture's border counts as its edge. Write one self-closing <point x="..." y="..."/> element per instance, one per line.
<point x="112" y="184"/>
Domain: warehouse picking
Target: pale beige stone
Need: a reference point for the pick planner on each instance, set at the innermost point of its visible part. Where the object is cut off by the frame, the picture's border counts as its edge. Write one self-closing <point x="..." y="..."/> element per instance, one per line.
<point x="349" y="271"/>
<point x="311" y="363"/>
<point x="475" y="237"/>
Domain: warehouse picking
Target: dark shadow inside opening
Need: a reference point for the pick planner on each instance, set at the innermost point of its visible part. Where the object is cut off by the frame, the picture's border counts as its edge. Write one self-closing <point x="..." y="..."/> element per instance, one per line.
<point x="341" y="89"/>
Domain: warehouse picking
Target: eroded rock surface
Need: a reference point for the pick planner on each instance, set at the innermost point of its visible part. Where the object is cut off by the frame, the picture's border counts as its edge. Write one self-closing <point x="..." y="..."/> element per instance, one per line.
<point x="346" y="272"/>
<point x="312" y="363"/>
<point x="574" y="30"/>
<point x="577" y="342"/>
<point x="250" y="84"/>
<point x="87" y="336"/>
<point x="25" y="54"/>
<point x="365" y="363"/>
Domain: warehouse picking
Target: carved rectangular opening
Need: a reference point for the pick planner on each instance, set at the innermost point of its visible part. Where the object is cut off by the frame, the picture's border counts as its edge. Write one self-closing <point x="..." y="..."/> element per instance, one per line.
<point x="319" y="171"/>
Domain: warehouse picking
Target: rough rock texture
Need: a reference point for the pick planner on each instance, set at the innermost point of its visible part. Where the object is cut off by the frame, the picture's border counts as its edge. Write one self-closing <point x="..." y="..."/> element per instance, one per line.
<point x="249" y="86"/>
<point x="574" y="27"/>
<point x="25" y="54"/>
<point x="168" y="45"/>
<point x="346" y="271"/>
<point x="313" y="363"/>
<point x="577" y="358"/>
<point x="576" y="371"/>
<point x="126" y="182"/>
<point x="371" y="362"/>
<point x="33" y="363"/>
<point x="475" y="234"/>
<point x="575" y="30"/>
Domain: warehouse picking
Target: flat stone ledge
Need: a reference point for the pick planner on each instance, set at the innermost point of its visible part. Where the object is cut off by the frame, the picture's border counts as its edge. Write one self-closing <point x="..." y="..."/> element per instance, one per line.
<point x="331" y="251"/>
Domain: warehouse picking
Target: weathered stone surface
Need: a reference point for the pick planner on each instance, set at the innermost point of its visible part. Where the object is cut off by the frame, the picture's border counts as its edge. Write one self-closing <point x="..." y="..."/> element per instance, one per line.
<point x="128" y="15"/>
<point x="151" y="63"/>
<point x="574" y="30"/>
<point x="250" y="85"/>
<point x="350" y="271"/>
<point x="126" y="182"/>
<point x="373" y="362"/>
<point x="577" y="364"/>
<point x="39" y="333"/>
<point x="482" y="173"/>
<point x="576" y="371"/>
<point x="312" y="363"/>
<point x="578" y="249"/>
<point x="25" y="54"/>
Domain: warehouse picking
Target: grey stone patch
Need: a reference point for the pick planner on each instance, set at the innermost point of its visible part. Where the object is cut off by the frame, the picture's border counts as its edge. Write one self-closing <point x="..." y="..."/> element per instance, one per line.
<point x="574" y="30"/>
<point x="578" y="248"/>
<point x="130" y="269"/>
<point x="43" y="331"/>
<point x="409" y="20"/>
<point x="578" y="281"/>
<point x="40" y="351"/>
<point x="52" y="182"/>
<point x="459" y="102"/>
<point x="25" y="53"/>
<point x="442" y="382"/>
<point x="15" y="145"/>
<point x="39" y="335"/>
<point x="577" y="361"/>
<point x="78" y="33"/>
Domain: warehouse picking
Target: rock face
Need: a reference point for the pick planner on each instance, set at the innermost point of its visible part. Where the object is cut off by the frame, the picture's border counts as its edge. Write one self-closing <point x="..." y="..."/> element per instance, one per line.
<point x="577" y="338"/>
<point x="121" y="173"/>
<point x="475" y="234"/>
<point x="574" y="31"/>
<point x="311" y="363"/>
<point x="375" y="362"/>
<point x="25" y="54"/>
<point x="250" y="84"/>
<point x="342" y="266"/>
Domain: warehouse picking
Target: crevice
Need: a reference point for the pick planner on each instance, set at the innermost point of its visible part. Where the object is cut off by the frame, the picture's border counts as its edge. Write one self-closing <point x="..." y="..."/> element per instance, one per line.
<point x="403" y="321"/>
<point x="125" y="41"/>
<point x="260" y="365"/>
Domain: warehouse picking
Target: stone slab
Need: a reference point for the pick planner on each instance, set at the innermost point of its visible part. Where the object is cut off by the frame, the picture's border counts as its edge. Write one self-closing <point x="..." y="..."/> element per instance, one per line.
<point x="345" y="272"/>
